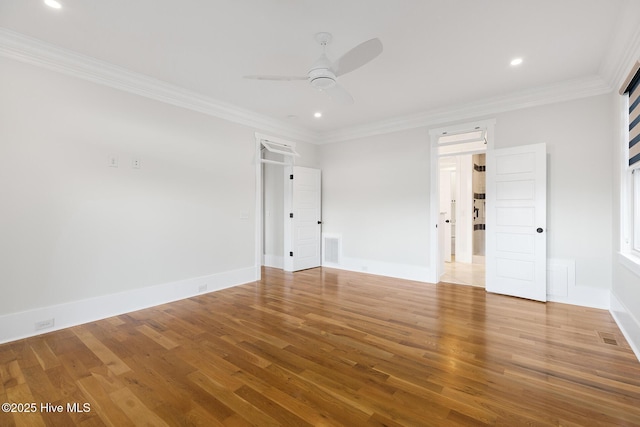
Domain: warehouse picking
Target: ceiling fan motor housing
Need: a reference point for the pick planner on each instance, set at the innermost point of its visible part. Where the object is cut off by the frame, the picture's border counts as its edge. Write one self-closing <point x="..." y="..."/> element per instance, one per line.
<point x="322" y="78"/>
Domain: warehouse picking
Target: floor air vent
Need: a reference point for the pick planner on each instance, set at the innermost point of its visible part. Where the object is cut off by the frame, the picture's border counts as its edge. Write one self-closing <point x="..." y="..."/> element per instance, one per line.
<point x="608" y="338"/>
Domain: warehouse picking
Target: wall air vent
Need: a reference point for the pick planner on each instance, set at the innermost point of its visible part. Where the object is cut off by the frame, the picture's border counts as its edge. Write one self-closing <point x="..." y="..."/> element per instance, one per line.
<point x="331" y="248"/>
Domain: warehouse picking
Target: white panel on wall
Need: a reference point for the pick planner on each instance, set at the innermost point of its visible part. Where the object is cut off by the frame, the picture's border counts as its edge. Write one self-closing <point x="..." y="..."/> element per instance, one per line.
<point x="557" y="279"/>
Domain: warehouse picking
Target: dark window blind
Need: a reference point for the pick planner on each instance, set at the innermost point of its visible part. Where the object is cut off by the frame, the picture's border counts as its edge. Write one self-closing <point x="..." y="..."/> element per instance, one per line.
<point x="634" y="118"/>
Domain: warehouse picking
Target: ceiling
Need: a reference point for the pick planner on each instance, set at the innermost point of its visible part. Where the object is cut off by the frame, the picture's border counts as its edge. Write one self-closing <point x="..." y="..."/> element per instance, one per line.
<point x="437" y="53"/>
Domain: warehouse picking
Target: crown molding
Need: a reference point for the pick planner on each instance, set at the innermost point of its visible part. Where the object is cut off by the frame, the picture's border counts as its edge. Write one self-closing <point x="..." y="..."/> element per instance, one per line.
<point x="624" y="48"/>
<point x="26" y="49"/>
<point x="560" y="92"/>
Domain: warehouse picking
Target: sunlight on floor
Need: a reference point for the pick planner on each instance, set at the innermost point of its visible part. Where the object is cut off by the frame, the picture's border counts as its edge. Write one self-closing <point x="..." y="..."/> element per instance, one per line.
<point x="464" y="273"/>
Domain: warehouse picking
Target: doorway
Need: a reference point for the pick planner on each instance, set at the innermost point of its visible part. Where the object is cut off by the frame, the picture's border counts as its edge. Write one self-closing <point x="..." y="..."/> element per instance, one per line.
<point x="458" y="193"/>
<point x="462" y="205"/>
<point x="287" y="210"/>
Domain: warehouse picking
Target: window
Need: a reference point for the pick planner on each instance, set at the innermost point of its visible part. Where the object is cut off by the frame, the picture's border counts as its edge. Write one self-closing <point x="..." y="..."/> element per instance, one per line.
<point x="453" y="143"/>
<point x="635" y="178"/>
<point x="280" y="148"/>
<point x="631" y="206"/>
<point x="283" y="150"/>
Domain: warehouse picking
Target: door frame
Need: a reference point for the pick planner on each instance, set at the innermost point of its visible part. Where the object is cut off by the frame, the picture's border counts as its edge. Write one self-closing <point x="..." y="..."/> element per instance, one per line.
<point x="434" y="134"/>
<point x="259" y="212"/>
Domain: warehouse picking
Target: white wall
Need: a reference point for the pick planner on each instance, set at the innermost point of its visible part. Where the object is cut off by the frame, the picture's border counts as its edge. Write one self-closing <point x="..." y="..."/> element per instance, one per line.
<point x="376" y="196"/>
<point x="74" y="229"/>
<point x="579" y="180"/>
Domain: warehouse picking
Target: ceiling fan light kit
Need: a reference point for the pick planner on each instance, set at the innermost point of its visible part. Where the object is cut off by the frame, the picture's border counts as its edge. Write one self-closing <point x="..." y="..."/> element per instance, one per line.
<point x="322" y="79"/>
<point x="323" y="73"/>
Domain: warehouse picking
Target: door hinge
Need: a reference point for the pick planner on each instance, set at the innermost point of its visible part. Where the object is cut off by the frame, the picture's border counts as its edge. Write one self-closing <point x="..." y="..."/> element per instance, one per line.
<point x="291" y="176"/>
<point x="291" y="215"/>
<point x="290" y="253"/>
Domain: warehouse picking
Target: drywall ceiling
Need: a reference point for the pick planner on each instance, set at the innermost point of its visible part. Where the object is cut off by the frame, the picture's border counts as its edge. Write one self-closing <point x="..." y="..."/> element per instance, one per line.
<point x="437" y="53"/>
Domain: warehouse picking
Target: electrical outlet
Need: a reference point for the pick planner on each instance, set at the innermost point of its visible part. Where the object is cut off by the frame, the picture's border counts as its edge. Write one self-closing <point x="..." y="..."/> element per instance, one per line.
<point x="44" y="324"/>
<point x="112" y="161"/>
<point x="136" y="163"/>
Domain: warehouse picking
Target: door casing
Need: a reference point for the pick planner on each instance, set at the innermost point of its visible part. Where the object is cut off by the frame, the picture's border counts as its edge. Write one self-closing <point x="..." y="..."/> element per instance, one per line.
<point x="435" y="263"/>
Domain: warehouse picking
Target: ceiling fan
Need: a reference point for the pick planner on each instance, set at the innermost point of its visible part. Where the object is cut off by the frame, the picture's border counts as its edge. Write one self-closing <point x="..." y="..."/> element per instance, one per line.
<point x="323" y="73"/>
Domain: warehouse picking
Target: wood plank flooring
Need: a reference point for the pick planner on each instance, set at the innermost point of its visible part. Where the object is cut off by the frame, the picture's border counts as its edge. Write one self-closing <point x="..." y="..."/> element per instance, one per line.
<point x="326" y="347"/>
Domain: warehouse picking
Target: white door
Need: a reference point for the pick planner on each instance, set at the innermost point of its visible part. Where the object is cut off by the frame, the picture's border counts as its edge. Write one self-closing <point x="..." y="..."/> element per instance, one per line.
<point x="516" y="251"/>
<point x="303" y="221"/>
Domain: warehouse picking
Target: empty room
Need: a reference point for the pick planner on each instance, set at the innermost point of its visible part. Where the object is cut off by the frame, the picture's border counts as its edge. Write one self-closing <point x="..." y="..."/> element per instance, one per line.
<point x="303" y="213"/>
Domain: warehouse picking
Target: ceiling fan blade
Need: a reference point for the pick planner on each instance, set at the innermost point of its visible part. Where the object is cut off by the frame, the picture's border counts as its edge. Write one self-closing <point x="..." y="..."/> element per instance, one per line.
<point x="277" y="78"/>
<point x="339" y="95"/>
<point x="357" y="57"/>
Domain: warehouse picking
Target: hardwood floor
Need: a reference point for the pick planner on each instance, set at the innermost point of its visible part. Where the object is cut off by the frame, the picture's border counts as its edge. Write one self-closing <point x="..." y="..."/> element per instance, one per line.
<point x="327" y="347"/>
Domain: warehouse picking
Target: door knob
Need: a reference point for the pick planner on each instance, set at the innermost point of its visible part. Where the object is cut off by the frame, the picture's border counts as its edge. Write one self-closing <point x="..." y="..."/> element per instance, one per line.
<point x="319" y="222"/>
<point x="447" y="221"/>
<point x="539" y="230"/>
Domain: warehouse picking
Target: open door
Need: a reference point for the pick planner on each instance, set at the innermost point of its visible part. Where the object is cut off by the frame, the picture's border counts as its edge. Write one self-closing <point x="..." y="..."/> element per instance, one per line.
<point x="516" y="251"/>
<point x="303" y="219"/>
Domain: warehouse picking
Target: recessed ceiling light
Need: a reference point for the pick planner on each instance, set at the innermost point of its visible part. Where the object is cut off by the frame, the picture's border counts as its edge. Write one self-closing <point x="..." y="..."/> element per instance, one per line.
<point x="516" y="61"/>
<point x="53" y="3"/>
<point x="317" y="114"/>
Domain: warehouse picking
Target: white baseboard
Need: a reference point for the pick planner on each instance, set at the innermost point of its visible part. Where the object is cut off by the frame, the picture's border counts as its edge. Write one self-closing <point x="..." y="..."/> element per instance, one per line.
<point x="388" y="269"/>
<point x="562" y="286"/>
<point x="627" y="322"/>
<point x="585" y="297"/>
<point x="20" y="325"/>
<point x="275" y="261"/>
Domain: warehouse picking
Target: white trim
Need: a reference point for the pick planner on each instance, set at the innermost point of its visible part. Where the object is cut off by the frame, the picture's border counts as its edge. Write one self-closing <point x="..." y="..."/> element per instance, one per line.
<point x="274" y="261"/>
<point x="259" y="216"/>
<point x="623" y="49"/>
<point x="288" y="261"/>
<point x="583" y="296"/>
<point x="259" y="257"/>
<point x="559" y="92"/>
<point x="388" y="269"/>
<point x="281" y="141"/>
<point x="627" y="322"/>
<point x="631" y="262"/>
<point x="284" y="148"/>
<point x="434" y="135"/>
<point x="274" y="147"/>
<point x="274" y="162"/>
<point x="22" y="48"/>
<point x="20" y="325"/>
<point x="26" y="49"/>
